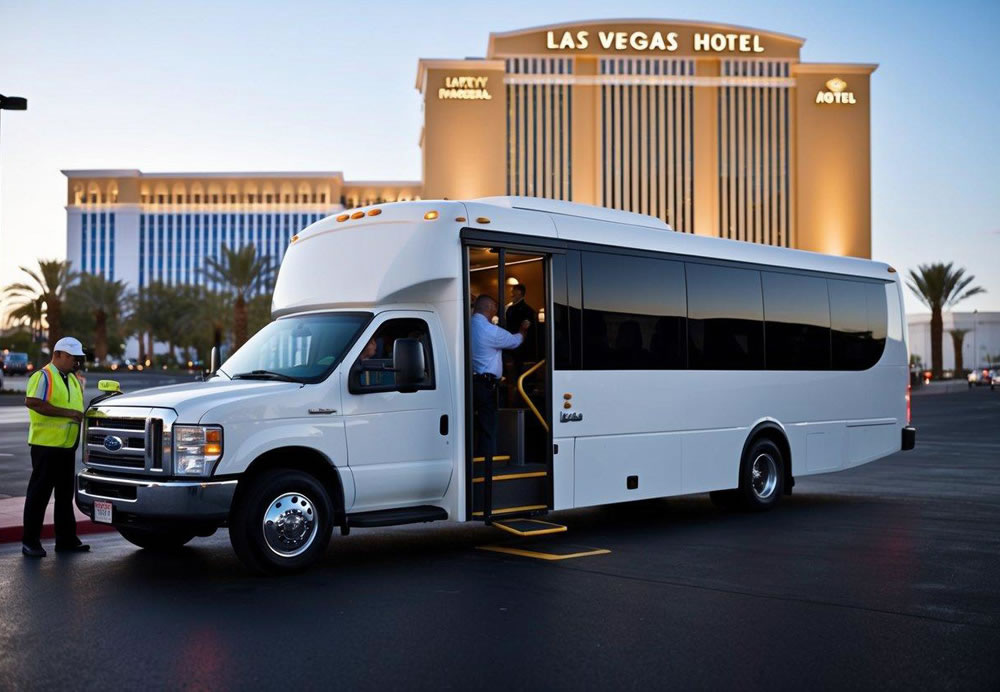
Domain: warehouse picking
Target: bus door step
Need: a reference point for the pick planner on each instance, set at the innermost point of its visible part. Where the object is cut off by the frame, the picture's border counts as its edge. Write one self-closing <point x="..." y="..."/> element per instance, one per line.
<point x="528" y="527"/>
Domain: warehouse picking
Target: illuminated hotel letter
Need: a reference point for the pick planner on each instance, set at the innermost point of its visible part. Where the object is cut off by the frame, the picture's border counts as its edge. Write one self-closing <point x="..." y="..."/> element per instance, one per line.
<point x="639" y="40"/>
<point x="719" y="42"/>
<point x="757" y="48"/>
<point x="566" y="41"/>
<point x="607" y="38"/>
<point x="672" y="41"/>
<point x="656" y="43"/>
<point x="621" y="40"/>
<point x="701" y="41"/>
<point x="744" y="43"/>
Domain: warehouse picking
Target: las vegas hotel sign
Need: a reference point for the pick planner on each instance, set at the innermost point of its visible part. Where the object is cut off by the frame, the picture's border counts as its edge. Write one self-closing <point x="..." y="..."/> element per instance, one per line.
<point x="653" y="41"/>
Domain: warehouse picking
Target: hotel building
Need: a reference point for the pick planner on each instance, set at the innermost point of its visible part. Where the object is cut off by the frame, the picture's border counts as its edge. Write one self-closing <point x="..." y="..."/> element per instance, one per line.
<point x="718" y="130"/>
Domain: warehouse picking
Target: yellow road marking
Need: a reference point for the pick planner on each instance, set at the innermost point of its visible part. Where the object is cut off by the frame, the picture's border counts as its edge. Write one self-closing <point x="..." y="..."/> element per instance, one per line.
<point x="540" y="556"/>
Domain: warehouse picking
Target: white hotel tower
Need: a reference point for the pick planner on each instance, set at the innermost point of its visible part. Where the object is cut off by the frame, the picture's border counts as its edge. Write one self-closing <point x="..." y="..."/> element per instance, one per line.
<point x="145" y="227"/>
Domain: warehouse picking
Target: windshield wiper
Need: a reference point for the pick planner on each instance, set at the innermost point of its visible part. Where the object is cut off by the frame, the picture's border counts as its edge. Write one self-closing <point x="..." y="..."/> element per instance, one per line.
<point x="263" y="375"/>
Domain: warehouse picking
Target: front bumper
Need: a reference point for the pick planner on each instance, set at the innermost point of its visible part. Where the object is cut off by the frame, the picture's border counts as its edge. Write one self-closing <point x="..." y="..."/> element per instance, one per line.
<point x="909" y="437"/>
<point x="141" y="501"/>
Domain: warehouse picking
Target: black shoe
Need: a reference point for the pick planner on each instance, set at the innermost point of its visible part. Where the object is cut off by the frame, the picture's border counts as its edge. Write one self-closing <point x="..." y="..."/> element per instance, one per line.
<point x="33" y="551"/>
<point x="78" y="548"/>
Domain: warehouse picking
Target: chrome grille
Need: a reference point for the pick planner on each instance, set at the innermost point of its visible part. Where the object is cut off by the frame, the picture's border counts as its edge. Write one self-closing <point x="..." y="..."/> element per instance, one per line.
<point x="142" y="439"/>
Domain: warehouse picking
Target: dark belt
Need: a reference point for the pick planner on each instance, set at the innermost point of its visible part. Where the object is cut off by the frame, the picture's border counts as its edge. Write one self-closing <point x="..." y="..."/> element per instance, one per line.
<point x="488" y="378"/>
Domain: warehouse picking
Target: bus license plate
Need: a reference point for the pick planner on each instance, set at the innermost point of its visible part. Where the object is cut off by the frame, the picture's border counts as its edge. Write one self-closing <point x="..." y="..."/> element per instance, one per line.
<point x="102" y="512"/>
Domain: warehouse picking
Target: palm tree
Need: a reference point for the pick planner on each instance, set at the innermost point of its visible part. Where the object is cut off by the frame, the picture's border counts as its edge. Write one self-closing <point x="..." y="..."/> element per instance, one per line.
<point x="32" y="312"/>
<point x="245" y="274"/>
<point x="49" y="283"/>
<point x="957" y="337"/>
<point x="103" y="299"/>
<point x="938" y="286"/>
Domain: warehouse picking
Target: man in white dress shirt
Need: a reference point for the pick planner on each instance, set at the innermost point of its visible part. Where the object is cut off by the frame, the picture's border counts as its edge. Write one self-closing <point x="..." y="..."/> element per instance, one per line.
<point x="488" y="340"/>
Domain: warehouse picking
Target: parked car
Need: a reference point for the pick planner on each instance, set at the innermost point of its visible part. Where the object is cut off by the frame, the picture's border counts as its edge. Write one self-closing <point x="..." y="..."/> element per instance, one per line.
<point x="981" y="376"/>
<point x="995" y="380"/>
<point x="17" y="364"/>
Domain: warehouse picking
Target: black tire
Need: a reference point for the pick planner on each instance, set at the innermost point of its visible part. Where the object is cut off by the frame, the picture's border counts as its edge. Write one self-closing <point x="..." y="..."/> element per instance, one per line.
<point x="762" y="476"/>
<point x="298" y="531"/>
<point x="160" y="540"/>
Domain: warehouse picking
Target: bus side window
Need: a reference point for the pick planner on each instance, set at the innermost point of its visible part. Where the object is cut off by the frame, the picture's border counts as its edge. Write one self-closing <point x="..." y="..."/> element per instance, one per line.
<point x="372" y="372"/>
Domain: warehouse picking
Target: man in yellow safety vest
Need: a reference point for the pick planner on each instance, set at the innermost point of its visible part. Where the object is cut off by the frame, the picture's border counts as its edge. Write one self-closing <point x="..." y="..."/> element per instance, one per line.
<point x="54" y="398"/>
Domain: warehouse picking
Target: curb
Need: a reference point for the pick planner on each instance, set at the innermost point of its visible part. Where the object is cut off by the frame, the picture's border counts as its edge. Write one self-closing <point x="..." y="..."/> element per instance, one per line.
<point x="12" y="529"/>
<point x="13" y="534"/>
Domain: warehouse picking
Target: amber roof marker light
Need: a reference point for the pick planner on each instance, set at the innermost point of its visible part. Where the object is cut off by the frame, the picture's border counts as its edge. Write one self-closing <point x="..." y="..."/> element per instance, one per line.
<point x="343" y="217"/>
<point x="374" y="212"/>
<point x="357" y="215"/>
<point x="430" y="216"/>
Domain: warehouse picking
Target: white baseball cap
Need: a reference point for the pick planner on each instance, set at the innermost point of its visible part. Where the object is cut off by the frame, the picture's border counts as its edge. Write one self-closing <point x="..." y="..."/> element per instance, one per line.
<point x="69" y="345"/>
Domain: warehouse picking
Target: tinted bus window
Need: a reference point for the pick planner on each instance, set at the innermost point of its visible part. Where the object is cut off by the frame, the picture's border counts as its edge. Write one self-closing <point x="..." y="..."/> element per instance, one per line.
<point x="725" y="318"/>
<point x="858" y="315"/>
<point x="633" y="313"/>
<point x="566" y="310"/>
<point x="796" y="322"/>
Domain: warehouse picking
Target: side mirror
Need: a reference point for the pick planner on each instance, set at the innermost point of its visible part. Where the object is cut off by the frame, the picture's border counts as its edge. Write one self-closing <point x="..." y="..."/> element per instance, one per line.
<point x="408" y="362"/>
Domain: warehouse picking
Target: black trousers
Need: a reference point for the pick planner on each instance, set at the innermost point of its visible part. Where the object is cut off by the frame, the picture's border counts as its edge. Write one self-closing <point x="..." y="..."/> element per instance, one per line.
<point x="484" y="403"/>
<point x="52" y="468"/>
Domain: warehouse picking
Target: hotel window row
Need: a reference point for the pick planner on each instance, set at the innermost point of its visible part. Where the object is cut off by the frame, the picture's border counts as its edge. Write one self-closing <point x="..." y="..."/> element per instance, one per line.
<point x="97" y="244"/>
<point x="173" y="248"/>
<point x="539" y="127"/>
<point x="754" y="152"/>
<point x="647" y="138"/>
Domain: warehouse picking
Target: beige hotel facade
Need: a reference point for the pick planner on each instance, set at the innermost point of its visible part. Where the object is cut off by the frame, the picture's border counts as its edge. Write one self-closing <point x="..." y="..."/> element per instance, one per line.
<point x="717" y="129"/>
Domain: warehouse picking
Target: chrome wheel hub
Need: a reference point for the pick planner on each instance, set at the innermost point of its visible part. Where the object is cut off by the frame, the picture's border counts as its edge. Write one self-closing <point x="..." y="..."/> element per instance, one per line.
<point x="764" y="476"/>
<point x="290" y="524"/>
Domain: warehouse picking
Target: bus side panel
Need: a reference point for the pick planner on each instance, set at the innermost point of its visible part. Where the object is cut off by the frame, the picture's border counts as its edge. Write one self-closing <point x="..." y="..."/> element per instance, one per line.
<point x="563" y="473"/>
<point x="618" y="468"/>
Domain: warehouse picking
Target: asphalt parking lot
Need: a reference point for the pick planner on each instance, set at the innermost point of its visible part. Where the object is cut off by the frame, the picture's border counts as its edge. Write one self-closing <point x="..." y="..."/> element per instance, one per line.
<point x="882" y="577"/>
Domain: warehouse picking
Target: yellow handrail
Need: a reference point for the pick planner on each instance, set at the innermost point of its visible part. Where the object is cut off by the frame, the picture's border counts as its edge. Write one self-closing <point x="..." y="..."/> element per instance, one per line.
<point x="520" y="388"/>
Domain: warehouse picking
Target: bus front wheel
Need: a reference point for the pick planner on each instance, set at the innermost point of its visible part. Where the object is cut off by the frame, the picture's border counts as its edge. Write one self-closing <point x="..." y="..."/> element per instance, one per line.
<point x="282" y="523"/>
<point x="762" y="475"/>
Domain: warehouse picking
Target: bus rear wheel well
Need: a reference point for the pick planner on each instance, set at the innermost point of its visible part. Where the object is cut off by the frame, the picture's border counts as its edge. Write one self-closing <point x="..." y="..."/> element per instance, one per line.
<point x="302" y="459"/>
<point x="772" y="432"/>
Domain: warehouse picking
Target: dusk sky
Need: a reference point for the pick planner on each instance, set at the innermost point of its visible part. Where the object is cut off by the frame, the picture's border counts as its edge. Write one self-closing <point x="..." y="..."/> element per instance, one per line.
<point x="301" y="86"/>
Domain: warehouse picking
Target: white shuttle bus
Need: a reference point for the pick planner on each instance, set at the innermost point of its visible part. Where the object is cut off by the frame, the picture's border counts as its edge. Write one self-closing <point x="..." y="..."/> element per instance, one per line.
<point x="657" y="364"/>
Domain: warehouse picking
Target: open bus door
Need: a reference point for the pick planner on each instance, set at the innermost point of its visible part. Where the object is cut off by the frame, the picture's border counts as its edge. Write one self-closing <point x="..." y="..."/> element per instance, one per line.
<point x="514" y="485"/>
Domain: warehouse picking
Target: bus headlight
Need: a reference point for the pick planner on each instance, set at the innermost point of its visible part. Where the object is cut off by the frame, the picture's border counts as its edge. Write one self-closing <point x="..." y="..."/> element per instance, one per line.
<point x="196" y="449"/>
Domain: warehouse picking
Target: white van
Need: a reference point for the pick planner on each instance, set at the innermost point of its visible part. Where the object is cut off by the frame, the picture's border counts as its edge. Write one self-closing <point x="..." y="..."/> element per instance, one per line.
<point x="657" y="364"/>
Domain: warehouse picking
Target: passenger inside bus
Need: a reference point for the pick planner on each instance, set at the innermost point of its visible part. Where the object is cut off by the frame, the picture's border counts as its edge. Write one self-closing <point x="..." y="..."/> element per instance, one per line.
<point x="521" y="435"/>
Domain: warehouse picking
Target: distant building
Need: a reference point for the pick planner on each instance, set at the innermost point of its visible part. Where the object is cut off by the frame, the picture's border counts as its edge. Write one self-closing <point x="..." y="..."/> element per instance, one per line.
<point x="981" y="342"/>
<point x="145" y="227"/>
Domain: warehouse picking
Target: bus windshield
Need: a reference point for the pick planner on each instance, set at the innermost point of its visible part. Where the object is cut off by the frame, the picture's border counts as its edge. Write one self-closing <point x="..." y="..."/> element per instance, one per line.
<point x="302" y="348"/>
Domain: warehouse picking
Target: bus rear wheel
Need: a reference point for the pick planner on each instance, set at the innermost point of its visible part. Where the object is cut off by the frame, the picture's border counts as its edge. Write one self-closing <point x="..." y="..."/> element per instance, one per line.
<point x="282" y="524"/>
<point x="762" y="475"/>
